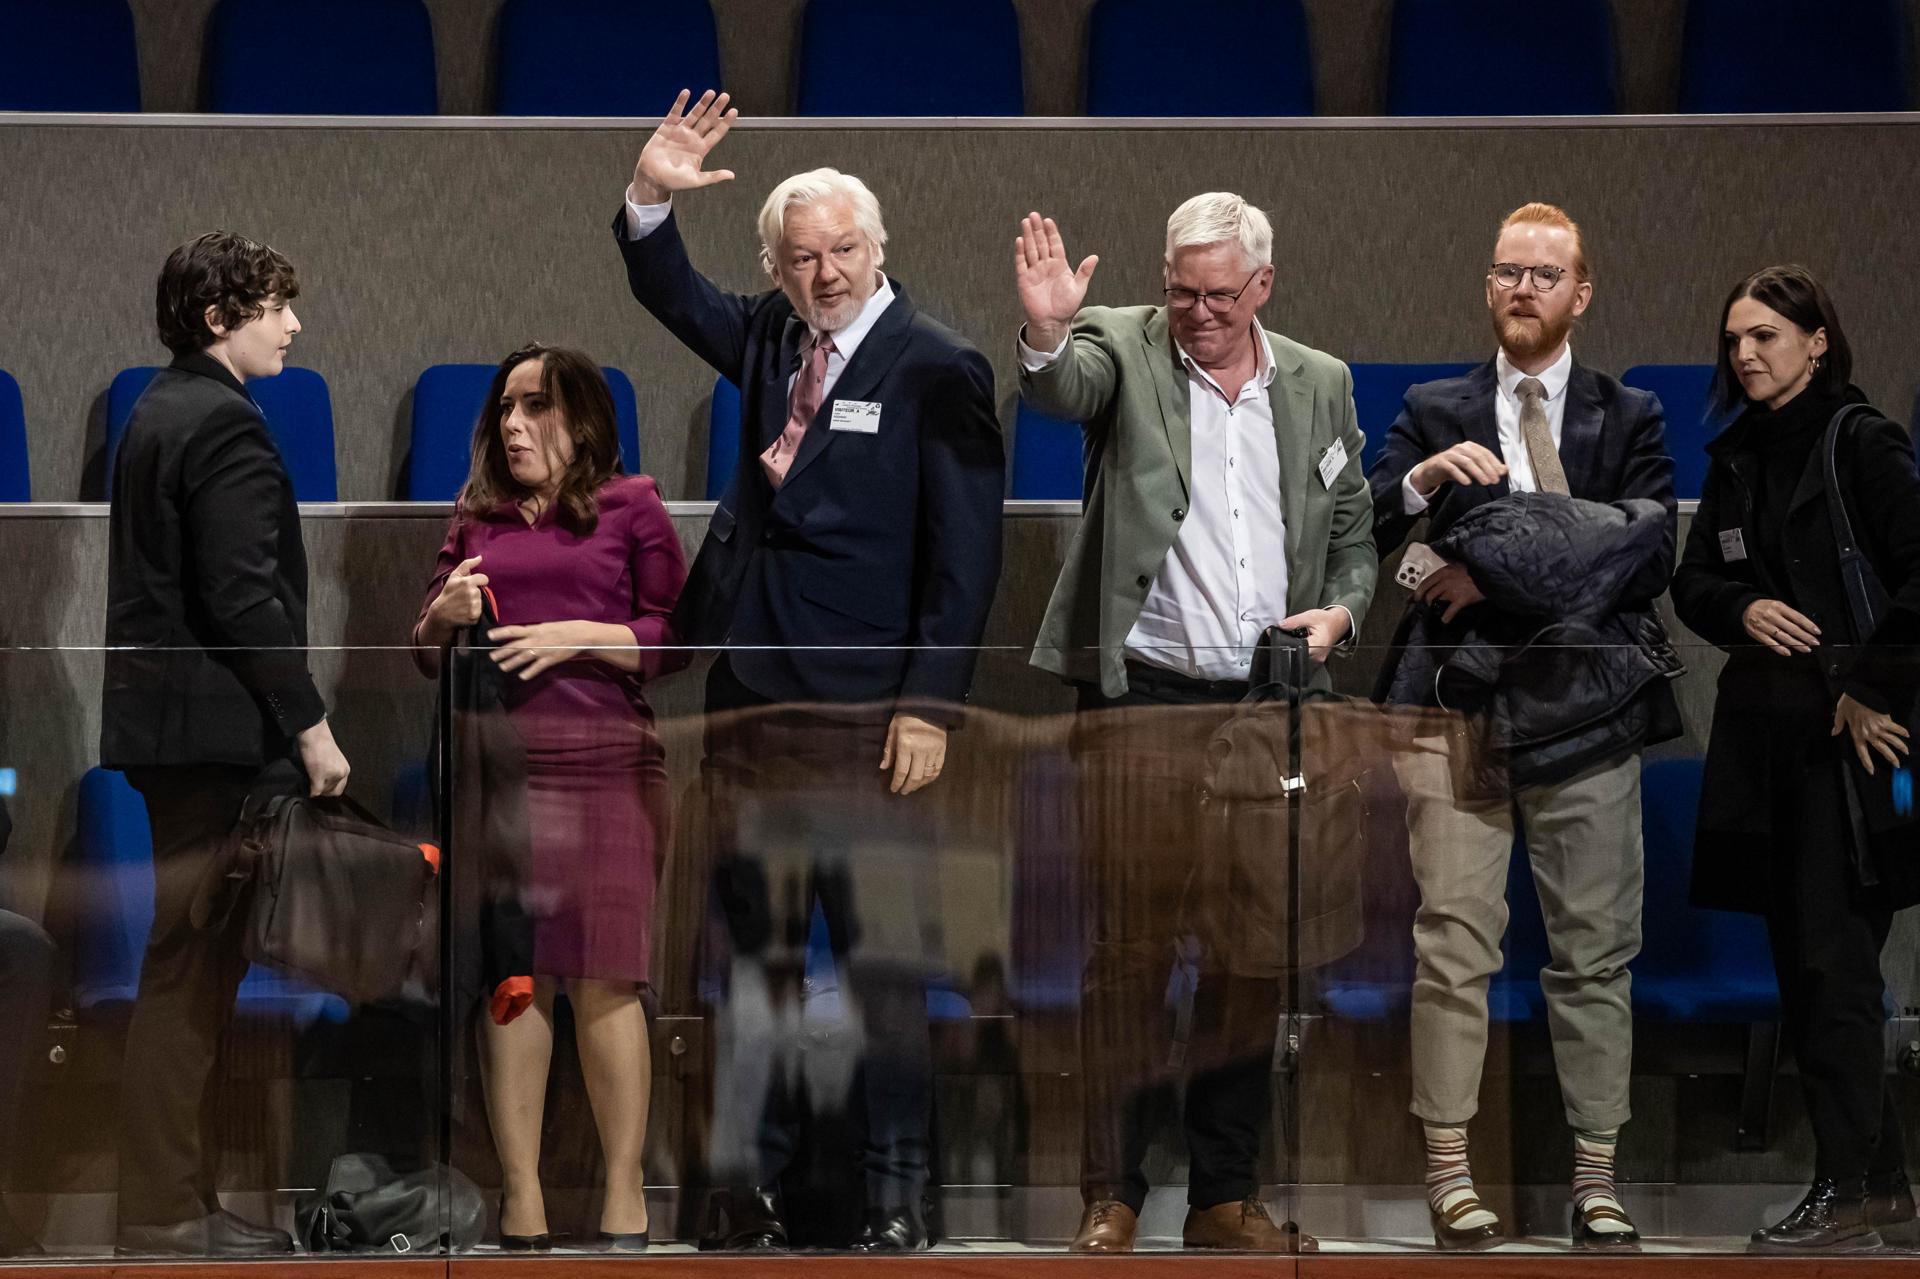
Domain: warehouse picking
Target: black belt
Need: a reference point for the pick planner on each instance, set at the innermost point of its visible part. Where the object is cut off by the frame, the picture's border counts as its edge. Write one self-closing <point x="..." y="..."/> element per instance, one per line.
<point x="1143" y="676"/>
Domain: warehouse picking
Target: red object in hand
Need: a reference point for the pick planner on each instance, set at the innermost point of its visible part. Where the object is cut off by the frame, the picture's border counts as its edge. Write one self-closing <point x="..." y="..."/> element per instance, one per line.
<point x="432" y="854"/>
<point x="510" y="998"/>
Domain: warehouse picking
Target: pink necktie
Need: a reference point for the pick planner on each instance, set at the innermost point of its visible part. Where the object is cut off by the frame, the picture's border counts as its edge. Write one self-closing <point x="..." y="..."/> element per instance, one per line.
<point x="809" y="388"/>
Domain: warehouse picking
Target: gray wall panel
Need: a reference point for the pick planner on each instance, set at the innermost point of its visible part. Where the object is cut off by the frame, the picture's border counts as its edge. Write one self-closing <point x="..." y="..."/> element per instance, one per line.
<point x="423" y="245"/>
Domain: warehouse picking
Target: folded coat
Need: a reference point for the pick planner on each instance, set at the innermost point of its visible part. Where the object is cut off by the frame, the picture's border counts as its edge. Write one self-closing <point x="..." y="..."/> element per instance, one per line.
<point x="1555" y="673"/>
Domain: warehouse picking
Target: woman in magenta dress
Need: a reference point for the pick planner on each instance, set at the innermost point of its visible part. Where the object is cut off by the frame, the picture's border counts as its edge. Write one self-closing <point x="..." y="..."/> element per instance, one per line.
<point x="584" y="568"/>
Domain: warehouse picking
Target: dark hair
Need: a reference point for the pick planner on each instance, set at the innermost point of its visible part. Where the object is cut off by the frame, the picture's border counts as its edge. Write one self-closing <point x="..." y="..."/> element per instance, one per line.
<point x="230" y="273"/>
<point x="577" y="389"/>
<point x="1792" y="291"/>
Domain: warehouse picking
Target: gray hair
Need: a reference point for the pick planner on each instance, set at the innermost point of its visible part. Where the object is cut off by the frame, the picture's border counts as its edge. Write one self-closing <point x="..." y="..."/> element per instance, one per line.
<point x="1218" y="217"/>
<point x="812" y="187"/>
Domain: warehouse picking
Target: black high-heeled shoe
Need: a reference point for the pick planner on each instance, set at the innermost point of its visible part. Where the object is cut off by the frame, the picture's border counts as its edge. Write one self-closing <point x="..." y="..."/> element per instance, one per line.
<point x="542" y="1242"/>
<point x="635" y="1241"/>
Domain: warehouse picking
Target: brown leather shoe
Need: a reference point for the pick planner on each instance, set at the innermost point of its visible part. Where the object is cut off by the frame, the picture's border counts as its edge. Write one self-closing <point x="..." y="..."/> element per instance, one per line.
<point x="1106" y="1226"/>
<point x="1243" y="1227"/>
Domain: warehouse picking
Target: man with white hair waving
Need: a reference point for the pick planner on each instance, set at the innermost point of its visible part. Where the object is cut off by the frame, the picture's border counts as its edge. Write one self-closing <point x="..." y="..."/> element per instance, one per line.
<point x="847" y="570"/>
<point x="1223" y="495"/>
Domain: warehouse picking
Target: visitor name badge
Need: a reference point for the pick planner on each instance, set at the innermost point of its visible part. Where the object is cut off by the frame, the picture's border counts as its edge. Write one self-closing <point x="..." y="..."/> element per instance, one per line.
<point x="1733" y="545"/>
<point x="1332" y="462"/>
<point x="856" y="415"/>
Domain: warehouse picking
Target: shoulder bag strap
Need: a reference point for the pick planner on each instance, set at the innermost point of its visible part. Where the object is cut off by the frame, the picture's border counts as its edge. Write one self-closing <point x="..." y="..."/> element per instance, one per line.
<point x="1866" y="597"/>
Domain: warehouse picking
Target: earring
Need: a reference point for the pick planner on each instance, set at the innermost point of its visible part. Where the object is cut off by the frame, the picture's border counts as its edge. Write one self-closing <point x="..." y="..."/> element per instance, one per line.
<point x="1815" y="365"/>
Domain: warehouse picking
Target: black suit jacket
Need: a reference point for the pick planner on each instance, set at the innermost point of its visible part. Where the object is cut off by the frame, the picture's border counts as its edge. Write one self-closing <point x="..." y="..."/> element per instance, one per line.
<point x="884" y="547"/>
<point x="206" y="582"/>
<point x="1612" y="447"/>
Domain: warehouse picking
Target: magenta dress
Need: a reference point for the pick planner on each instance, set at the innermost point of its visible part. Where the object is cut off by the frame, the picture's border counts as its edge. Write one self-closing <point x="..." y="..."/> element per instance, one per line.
<point x="596" y="773"/>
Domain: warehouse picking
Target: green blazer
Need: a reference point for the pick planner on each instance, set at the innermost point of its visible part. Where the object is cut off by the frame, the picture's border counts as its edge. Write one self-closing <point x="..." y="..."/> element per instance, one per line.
<point x="1121" y="379"/>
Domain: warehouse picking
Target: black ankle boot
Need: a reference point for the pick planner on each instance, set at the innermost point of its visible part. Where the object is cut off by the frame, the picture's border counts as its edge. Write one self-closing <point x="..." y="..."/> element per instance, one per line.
<point x="1832" y="1218"/>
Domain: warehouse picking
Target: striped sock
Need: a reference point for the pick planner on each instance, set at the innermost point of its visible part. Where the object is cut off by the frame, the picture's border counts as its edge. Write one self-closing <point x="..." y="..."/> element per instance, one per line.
<point x="1449" y="1179"/>
<point x="1593" y="1178"/>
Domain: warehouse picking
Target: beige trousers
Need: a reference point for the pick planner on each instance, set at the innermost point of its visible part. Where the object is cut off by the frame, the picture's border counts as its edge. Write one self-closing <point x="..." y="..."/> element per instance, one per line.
<point x="1583" y="837"/>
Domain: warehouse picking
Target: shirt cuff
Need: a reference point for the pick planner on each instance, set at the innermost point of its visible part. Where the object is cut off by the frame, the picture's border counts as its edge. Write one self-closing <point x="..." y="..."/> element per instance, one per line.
<point x="644" y="219"/>
<point x="1410" y="499"/>
<point x="1031" y="360"/>
<point x="1352" y="638"/>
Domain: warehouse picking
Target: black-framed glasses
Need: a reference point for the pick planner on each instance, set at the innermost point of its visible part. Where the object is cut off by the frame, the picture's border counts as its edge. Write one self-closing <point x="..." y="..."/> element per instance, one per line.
<point x="1217" y="302"/>
<point x="1509" y="274"/>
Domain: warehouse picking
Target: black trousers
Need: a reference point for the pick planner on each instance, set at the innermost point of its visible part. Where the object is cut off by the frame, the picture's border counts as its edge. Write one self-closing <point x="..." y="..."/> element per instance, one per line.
<point x="800" y="813"/>
<point x="1827" y="935"/>
<point x="188" y="978"/>
<point x="1140" y="758"/>
<point x="26" y="983"/>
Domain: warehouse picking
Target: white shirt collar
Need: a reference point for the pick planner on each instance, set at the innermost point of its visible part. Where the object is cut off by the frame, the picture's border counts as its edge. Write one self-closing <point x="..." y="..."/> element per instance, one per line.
<point x="1267" y="366"/>
<point x="1553" y="377"/>
<point x="847" y="340"/>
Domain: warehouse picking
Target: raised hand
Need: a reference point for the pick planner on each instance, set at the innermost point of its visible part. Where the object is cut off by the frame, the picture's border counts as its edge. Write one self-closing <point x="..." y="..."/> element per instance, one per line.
<point x="672" y="158"/>
<point x="1051" y="291"/>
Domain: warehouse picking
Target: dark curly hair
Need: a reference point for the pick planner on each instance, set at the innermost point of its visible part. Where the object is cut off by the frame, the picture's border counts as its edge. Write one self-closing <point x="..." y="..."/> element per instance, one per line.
<point x="578" y="391"/>
<point x="227" y="272"/>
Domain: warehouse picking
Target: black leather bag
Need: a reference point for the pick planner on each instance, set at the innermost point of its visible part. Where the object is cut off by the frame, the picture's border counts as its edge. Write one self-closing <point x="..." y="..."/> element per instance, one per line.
<point x="331" y="895"/>
<point x="367" y="1207"/>
<point x="1881" y="804"/>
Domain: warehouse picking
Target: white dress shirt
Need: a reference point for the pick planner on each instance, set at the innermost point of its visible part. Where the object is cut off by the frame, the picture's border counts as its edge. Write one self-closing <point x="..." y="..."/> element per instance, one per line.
<point x="1224" y="580"/>
<point x="644" y="219"/>
<point x="1506" y="416"/>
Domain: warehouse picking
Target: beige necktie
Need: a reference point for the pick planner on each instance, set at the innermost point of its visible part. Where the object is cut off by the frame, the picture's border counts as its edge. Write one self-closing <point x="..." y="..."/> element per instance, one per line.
<point x="1548" y="475"/>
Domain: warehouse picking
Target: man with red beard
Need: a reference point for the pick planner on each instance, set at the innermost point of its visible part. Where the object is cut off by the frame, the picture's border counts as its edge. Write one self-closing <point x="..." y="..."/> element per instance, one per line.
<point x="1530" y="420"/>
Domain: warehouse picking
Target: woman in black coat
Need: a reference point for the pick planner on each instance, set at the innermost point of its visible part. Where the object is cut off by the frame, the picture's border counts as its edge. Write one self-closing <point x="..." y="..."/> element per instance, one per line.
<point x="1801" y="704"/>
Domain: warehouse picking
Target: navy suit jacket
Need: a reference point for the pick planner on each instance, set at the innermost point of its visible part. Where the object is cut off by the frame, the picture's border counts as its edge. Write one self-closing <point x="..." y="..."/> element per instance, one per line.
<point x="883" y="547"/>
<point x="1612" y="446"/>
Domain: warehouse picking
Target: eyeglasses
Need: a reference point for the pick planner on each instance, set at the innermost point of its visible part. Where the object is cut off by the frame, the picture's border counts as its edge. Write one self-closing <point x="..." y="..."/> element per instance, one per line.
<point x="1509" y="274"/>
<point x="1217" y="302"/>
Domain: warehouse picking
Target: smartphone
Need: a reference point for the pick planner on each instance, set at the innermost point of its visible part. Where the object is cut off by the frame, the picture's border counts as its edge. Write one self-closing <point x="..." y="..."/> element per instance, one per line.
<point x="1416" y="565"/>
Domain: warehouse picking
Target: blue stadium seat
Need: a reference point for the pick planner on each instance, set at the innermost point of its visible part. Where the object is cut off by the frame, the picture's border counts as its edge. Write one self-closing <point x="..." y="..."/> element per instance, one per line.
<point x="927" y="58"/>
<point x="1500" y="57"/>
<point x="1379" y="391"/>
<point x="1784" y="55"/>
<point x="1685" y="392"/>
<point x="299" y="413"/>
<point x="603" y="57"/>
<point x="1136" y="48"/>
<point x="723" y="437"/>
<point x="1696" y="965"/>
<point x="16" y="484"/>
<point x="68" y="55"/>
<point x="1049" y="460"/>
<point x="320" y="57"/>
<point x="446" y="407"/>
<point x="113" y="859"/>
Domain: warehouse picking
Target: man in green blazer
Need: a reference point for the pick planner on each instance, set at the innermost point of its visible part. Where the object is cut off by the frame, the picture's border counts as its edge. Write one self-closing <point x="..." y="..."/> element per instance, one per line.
<point x="1224" y="494"/>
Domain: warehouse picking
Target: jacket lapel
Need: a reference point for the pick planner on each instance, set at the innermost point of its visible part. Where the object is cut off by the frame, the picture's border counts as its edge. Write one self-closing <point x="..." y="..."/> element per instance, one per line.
<point x="773" y="394"/>
<point x="1478" y="420"/>
<point x="1293" y="437"/>
<point x="1580" y="429"/>
<point x="862" y="376"/>
<point x="1176" y="405"/>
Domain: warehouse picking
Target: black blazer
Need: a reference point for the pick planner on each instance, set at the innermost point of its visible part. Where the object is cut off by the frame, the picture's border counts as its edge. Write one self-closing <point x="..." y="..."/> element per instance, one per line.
<point x="884" y="545"/>
<point x="206" y="582"/>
